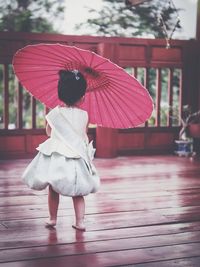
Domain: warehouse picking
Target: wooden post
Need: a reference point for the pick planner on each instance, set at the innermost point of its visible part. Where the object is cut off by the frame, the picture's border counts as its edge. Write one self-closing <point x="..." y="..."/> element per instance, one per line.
<point x="198" y="21"/>
<point x="106" y="138"/>
<point x="191" y="75"/>
<point x="6" y="96"/>
<point x="198" y="39"/>
<point x="106" y="142"/>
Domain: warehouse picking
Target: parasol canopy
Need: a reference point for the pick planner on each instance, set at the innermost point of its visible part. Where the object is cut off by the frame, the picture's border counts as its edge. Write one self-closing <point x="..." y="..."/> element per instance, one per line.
<point x="113" y="97"/>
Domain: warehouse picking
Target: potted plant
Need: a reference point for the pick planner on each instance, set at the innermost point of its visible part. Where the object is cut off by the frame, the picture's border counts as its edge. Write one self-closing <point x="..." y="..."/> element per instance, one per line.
<point x="190" y="129"/>
<point x="194" y="125"/>
<point x="190" y="124"/>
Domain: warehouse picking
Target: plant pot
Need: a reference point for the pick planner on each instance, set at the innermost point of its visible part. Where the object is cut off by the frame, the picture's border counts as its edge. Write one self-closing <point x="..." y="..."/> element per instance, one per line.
<point x="184" y="147"/>
<point x="194" y="130"/>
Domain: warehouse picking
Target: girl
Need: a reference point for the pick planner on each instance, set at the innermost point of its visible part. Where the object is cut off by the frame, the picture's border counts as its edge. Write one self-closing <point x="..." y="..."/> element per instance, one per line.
<point x="64" y="161"/>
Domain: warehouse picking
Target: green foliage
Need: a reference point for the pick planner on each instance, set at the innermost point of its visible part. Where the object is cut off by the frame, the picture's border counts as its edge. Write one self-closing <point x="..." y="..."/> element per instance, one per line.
<point x="13" y="87"/>
<point x="25" y="16"/>
<point x="30" y="16"/>
<point x="165" y="109"/>
<point x="117" y="18"/>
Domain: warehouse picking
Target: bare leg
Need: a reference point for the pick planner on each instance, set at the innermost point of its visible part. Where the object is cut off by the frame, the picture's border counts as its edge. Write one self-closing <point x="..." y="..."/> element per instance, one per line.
<point x="53" y="202"/>
<point x="79" y="208"/>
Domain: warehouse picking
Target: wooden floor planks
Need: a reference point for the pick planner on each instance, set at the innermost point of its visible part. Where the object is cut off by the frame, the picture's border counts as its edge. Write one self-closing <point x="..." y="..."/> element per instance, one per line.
<point x="146" y="214"/>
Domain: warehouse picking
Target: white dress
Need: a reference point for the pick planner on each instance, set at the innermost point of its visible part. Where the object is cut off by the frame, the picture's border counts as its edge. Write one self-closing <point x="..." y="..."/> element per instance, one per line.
<point x="64" y="160"/>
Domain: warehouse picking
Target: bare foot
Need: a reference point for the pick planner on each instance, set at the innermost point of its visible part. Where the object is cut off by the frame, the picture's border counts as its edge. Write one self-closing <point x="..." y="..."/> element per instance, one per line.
<point x="50" y="223"/>
<point x="79" y="226"/>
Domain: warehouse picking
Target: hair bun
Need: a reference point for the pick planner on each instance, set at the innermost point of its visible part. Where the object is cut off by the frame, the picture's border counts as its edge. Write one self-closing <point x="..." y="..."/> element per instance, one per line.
<point x="71" y="86"/>
<point x="69" y="74"/>
<point x="65" y="74"/>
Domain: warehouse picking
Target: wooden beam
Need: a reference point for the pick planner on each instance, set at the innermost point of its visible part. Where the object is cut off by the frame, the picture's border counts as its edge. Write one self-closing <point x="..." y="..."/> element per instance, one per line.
<point x="6" y="96"/>
<point x="198" y="39"/>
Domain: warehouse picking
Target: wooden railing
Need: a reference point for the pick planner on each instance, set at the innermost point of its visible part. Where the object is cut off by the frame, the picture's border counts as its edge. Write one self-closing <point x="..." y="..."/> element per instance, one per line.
<point x="167" y="73"/>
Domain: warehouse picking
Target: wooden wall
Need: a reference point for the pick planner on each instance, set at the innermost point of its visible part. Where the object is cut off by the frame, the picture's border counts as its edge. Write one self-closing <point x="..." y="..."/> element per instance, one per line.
<point x="131" y="52"/>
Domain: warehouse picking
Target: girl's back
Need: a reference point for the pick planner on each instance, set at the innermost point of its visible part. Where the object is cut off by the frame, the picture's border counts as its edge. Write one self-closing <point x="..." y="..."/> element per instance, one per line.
<point x="77" y="118"/>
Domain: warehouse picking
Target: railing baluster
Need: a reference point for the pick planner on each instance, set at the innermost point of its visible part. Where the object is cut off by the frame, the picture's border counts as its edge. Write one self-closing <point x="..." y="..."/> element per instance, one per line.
<point x="170" y="96"/>
<point x="158" y="96"/>
<point x="180" y="95"/>
<point x="135" y="72"/>
<point x="19" y="106"/>
<point x="33" y="112"/>
<point x="146" y="84"/>
<point x="6" y="96"/>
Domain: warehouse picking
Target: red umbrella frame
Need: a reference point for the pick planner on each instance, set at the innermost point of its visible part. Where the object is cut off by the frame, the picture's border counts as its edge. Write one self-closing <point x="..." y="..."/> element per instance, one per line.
<point x="113" y="98"/>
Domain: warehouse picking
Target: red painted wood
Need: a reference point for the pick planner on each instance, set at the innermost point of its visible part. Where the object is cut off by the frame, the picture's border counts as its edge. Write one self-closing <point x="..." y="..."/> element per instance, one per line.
<point x="146" y="212"/>
<point x="33" y="112"/>
<point x="130" y="140"/>
<point x="127" y="52"/>
<point x="171" y="55"/>
<point x="146" y="84"/>
<point x="6" y="97"/>
<point x="181" y="100"/>
<point x="106" y="142"/>
<point x="136" y="52"/>
<point x="20" y="108"/>
<point x="158" y="96"/>
<point x="170" y="96"/>
<point x="112" y="258"/>
<point x="68" y="249"/>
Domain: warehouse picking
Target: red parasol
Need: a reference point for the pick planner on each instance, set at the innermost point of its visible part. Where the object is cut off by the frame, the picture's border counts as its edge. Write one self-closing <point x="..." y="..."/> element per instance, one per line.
<point x="113" y="98"/>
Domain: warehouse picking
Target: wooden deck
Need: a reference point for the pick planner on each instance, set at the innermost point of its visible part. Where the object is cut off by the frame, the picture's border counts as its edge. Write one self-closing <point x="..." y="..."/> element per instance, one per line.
<point x="146" y="214"/>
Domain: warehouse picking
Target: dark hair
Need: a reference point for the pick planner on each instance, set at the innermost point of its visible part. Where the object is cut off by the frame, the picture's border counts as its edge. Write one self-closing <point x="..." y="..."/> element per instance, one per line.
<point x="71" y="86"/>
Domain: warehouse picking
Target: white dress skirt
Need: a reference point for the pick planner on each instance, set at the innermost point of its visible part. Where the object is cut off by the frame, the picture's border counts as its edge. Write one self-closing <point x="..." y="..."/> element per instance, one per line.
<point x="70" y="172"/>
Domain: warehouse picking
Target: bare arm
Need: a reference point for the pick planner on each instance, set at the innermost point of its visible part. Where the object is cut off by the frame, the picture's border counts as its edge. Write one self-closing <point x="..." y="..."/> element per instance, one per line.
<point x="48" y="130"/>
